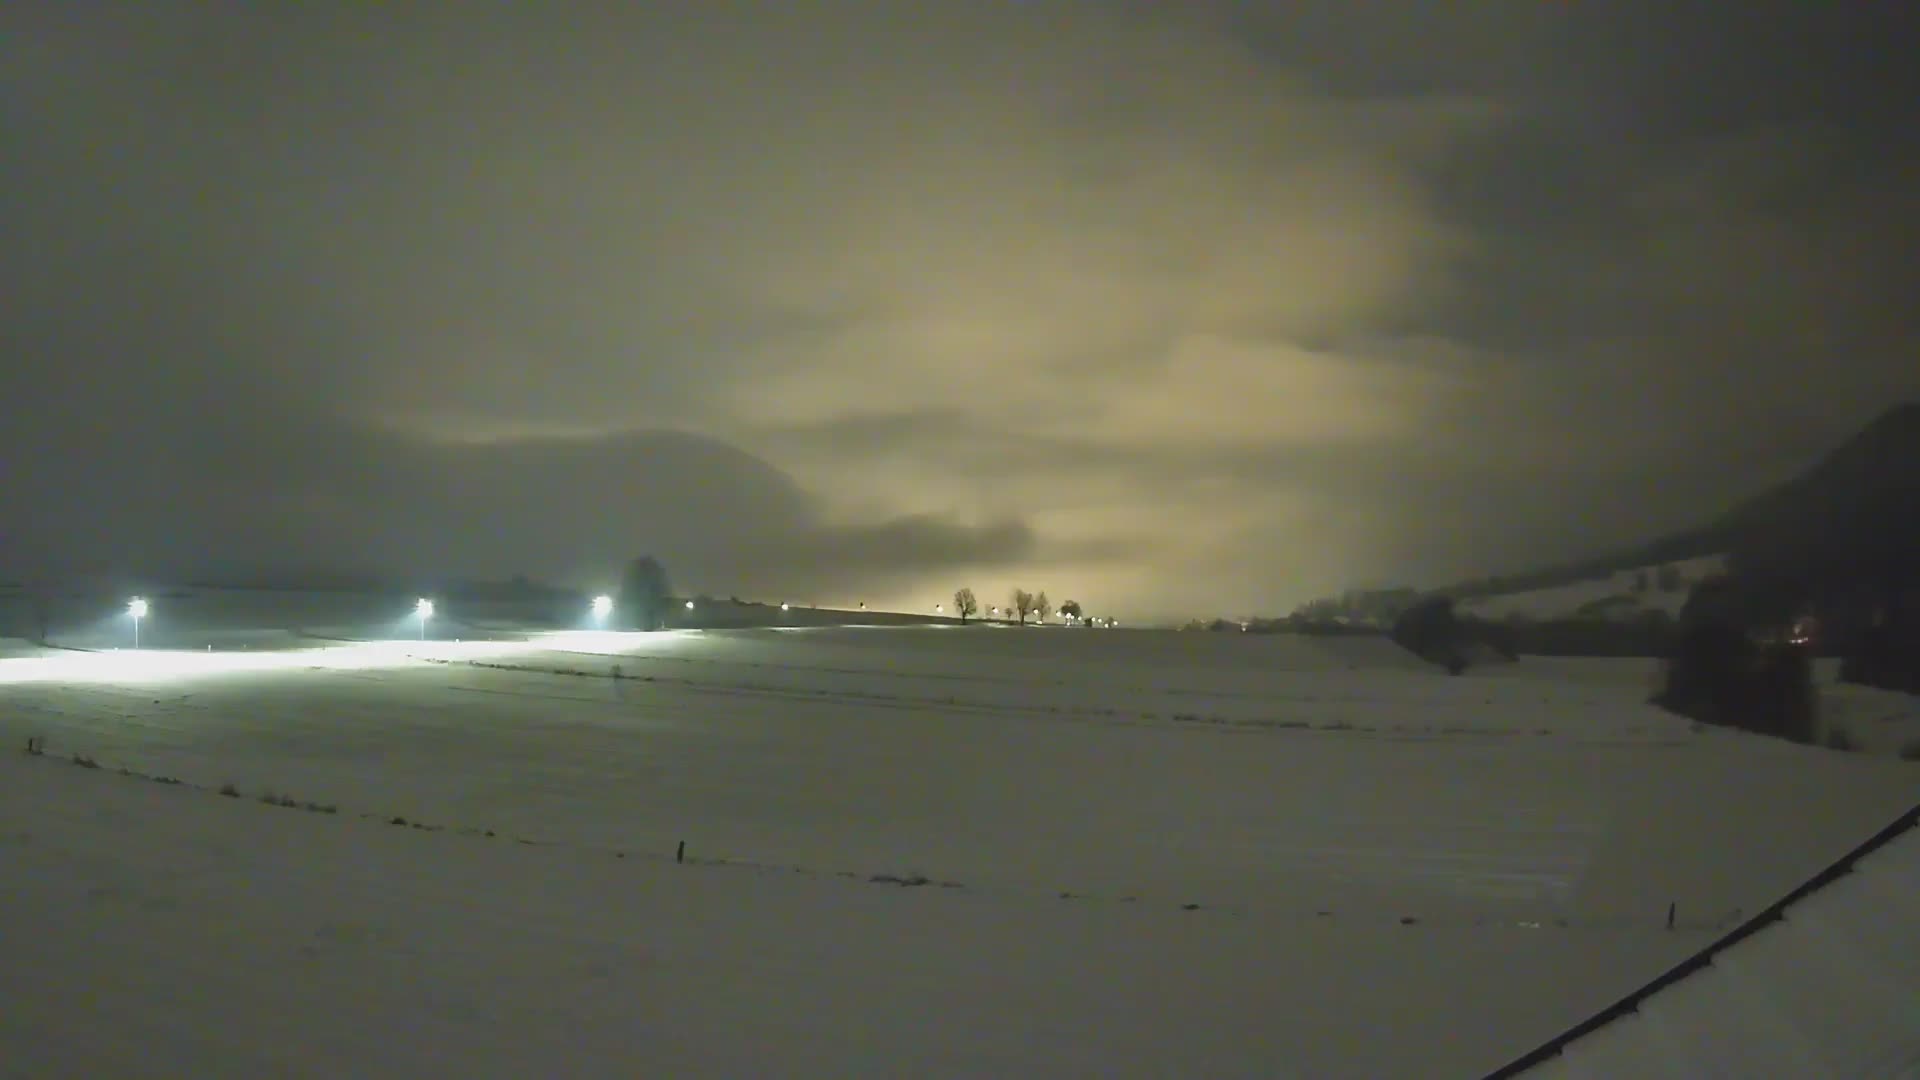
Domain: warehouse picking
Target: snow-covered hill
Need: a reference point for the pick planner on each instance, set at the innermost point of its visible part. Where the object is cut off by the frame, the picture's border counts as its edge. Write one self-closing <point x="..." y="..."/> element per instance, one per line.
<point x="1624" y="595"/>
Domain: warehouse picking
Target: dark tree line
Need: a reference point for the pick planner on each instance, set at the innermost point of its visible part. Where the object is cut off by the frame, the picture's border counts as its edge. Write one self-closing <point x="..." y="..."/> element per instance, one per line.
<point x="1021" y="604"/>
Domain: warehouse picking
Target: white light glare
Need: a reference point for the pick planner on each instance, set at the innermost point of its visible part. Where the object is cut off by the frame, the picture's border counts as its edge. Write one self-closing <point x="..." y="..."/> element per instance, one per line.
<point x="423" y="608"/>
<point x="138" y="666"/>
<point x="602" y="606"/>
<point x="137" y="607"/>
<point x="689" y="605"/>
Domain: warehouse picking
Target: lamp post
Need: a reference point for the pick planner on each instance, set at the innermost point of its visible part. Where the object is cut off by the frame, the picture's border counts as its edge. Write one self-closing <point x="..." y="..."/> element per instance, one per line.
<point x="137" y="607"/>
<point x="423" y="608"/>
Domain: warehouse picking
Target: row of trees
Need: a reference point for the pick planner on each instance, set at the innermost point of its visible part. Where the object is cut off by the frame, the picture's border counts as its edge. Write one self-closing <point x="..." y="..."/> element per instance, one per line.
<point x="645" y="600"/>
<point x="1023" y="604"/>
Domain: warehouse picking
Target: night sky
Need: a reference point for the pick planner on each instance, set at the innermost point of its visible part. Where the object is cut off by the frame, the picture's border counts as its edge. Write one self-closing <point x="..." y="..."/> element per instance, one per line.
<point x="1171" y="308"/>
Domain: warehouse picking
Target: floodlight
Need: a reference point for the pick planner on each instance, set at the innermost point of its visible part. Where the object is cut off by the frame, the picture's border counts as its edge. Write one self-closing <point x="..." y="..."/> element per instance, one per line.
<point x="137" y="608"/>
<point x="689" y="605"/>
<point x="602" y="606"/>
<point x="785" y="606"/>
<point x="423" y="608"/>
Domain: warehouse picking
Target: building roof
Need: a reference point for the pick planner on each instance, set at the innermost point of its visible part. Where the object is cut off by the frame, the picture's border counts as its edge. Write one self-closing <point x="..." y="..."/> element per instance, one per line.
<point x="1825" y="983"/>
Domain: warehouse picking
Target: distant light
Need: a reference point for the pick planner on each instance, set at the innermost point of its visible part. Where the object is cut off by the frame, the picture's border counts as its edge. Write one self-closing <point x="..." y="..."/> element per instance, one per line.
<point x="785" y="606"/>
<point x="602" y="606"/>
<point x="938" y="608"/>
<point x="137" y="607"/>
<point x="423" y="607"/>
<point x="689" y="605"/>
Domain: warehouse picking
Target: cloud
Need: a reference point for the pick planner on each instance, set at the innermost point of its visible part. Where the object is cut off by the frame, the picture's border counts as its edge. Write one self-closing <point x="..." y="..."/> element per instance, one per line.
<point x="721" y="519"/>
<point x="1177" y="307"/>
<point x="342" y="498"/>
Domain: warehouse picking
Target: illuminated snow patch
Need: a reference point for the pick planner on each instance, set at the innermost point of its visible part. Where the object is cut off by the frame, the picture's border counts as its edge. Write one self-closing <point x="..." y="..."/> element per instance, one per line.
<point x="609" y="642"/>
<point x="162" y="665"/>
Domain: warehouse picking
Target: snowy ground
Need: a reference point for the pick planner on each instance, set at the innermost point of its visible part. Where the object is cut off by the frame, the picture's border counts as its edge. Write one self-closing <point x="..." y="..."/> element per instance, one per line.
<point x="1143" y="854"/>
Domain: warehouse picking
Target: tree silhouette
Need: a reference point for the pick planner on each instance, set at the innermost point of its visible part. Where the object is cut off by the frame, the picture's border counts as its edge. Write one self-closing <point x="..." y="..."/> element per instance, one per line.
<point x="644" y="594"/>
<point x="1022" y="604"/>
<point x="965" y="603"/>
<point x="1041" y="607"/>
<point x="1070" y="609"/>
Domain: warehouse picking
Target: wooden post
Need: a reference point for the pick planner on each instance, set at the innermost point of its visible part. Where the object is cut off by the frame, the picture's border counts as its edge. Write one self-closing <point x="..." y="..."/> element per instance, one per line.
<point x="680" y="853"/>
<point x="1670" y="909"/>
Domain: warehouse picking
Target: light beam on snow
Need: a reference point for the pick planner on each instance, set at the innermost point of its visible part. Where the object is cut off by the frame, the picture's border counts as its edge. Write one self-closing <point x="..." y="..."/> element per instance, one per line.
<point x="167" y="665"/>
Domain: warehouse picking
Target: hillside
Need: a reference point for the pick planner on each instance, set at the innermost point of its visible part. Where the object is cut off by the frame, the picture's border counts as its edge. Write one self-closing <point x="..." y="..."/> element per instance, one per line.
<point x="1861" y="501"/>
<point x="1620" y="596"/>
<point x="1857" y="506"/>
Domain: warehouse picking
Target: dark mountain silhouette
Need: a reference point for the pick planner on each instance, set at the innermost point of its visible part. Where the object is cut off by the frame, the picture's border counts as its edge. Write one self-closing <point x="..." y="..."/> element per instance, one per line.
<point x="1861" y="502"/>
<point x="1850" y="524"/>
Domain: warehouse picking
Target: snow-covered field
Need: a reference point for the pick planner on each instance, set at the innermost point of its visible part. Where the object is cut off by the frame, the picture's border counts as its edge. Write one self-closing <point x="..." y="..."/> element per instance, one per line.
<point x="1124" y="853"/>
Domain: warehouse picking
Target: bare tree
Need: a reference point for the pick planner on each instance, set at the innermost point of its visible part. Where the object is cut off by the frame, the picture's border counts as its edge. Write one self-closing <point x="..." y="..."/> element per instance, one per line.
<point x="1022" y="604"/>
<point x="1041" y="607"/>
<point x="1070" y="609"/>
<point x="965" y="603"/>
